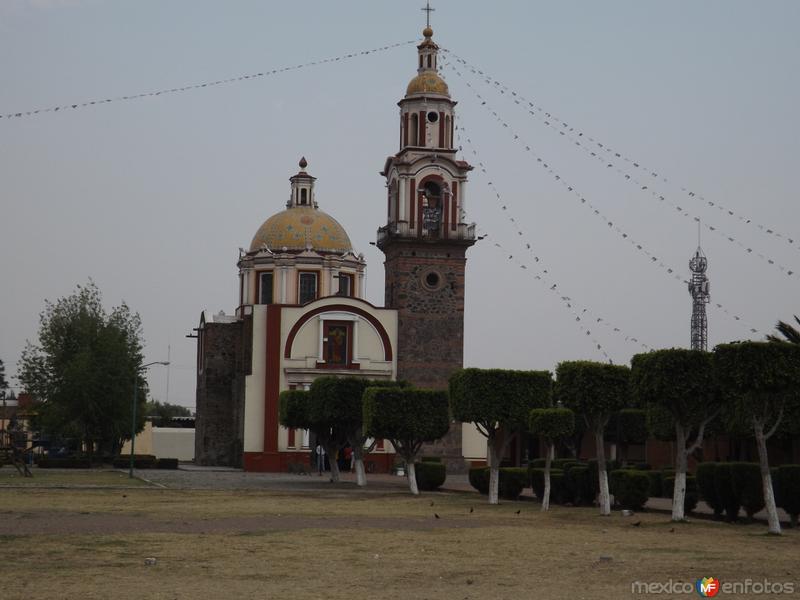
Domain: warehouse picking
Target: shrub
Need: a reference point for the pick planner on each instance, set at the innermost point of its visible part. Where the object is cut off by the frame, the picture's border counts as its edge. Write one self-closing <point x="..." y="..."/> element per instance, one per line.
<point x="167" y="463"/>
<point x="707" y="487"/>
<point x="578" y="486"/>
<point x="479" y="479"/>
<point x="611" y="465"/>
<point x="67" y="462"/>
<point x="430" y="475"/>
<point x="656" y="484"/>
<point x="630" y="488"/>
<point x="787" y="490"/>
<point x="642" y="467"/>
<point x="560" y="463"/>
<point x="512" y="481"/>
<point x="692" y="496"/>
<point x="431" y="459"/>
<point x="749" y="487"/>
<point x="557" y="491"/>
<point x="538" y="463"/>
<point x="726" y="492"/>
<point x="140" y="461"/>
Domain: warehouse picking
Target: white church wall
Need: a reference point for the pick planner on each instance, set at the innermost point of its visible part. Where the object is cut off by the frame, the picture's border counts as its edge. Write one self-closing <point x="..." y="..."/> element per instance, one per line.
<point x="254" y="385"/>
<point x="473" y="444"/>
<point x="173" y="442"/>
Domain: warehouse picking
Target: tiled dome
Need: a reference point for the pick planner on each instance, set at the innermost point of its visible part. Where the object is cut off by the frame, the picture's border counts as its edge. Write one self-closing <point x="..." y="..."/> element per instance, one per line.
<point x="300" y="228"/>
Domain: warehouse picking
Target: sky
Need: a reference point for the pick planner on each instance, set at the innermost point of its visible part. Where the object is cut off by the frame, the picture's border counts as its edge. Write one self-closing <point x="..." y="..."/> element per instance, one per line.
<point x="151" y="198"/>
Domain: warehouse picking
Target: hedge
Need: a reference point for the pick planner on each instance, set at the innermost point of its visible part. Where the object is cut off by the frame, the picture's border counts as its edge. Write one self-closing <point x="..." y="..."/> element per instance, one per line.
<point x="65" y="463"/>
<point x="167" y="463"/>
<point x="707" y="487"/>
<point x="557" y="490"/>
<point x="430" y="475"/>
<point x="786" y="483"/>
<point x="140" y="461"/>
<point x="630" y="488"/>
<point x="749" y="487"/>
<point x="691" y="498"/>
<point x="656" y="481"/>
<point x="512" y="481"/>
<point x="578" y="485"/>
<point x="725" y="489"/>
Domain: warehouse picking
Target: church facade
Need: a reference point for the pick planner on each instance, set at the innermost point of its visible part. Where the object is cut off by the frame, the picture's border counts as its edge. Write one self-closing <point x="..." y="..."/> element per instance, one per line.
<point x="302" y="313"/>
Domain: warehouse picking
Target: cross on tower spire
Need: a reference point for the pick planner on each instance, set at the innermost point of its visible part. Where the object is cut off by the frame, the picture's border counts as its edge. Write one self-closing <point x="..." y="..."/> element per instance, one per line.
<point x="428" y="10"/>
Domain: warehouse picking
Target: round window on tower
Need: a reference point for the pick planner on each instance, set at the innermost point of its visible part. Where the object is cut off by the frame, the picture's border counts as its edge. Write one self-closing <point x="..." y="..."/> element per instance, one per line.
<point x="433" y="116"/>
<point x="432" y="279"/>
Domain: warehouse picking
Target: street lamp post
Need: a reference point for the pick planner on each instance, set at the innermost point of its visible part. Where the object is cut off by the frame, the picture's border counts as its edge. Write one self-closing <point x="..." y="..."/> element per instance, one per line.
<point x="133" y="411"/>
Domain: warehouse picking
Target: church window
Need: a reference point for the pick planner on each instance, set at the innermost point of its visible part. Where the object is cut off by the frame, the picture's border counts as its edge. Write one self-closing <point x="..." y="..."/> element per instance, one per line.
<point x="432" y="279"/>
<point x="303" y="197"/>
<point x="345" y="284"/>
<point x="414" y="130"/>
<point x="429" y="61"/>
<point x="337" y="343"/>
<point x="420" y="61"/>
<point x="433" y="116"/>
<point x="307" y="288"/>
<point x="265" y="288"/>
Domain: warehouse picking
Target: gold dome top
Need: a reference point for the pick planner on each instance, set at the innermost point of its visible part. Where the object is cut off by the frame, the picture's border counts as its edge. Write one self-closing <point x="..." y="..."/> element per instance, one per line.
<point x="427" y="32"/>
<point x="299" y="228"/>
<point x="428" y="82"/>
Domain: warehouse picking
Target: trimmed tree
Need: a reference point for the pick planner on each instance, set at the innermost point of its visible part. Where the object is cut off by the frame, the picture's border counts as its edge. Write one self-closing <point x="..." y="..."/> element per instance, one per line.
<point x="408" y="418"/>
<point x="499" y="403"/>
<point x="595" y="391"/>
<point x="551" y="424"/>
<point x="762" y="380"/>
<point x="678" y="385"/>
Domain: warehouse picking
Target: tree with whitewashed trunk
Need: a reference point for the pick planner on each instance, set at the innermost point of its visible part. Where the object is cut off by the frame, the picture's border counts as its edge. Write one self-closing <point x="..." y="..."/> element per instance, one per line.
<point x="294" y="411"/>
<point x="595" y="391"/>
<point x="551" y="425"/>
<point x="408" y="418"/>
<point x="761" y="381"/>
<point x="338" y="401"/>
<point x="677" y="386"/>
<point x="499" y="403"/>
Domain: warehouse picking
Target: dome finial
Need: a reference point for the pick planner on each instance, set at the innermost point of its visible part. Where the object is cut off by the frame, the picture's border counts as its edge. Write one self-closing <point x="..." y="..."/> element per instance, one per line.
<point x="303" y="163"/>
<point x="427" y="32"/>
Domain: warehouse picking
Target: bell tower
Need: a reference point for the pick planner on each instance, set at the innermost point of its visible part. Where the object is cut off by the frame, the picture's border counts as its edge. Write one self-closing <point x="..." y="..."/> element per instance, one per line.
<point x="425" y="238"/>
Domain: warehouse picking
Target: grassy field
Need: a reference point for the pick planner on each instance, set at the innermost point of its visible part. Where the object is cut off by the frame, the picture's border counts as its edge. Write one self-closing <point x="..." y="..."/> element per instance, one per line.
<point x="92" y="543"/>
<point x="9" y="476"/>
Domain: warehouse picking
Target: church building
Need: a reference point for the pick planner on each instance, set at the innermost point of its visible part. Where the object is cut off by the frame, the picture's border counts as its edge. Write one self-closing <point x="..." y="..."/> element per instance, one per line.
<point x="302" y="312"/>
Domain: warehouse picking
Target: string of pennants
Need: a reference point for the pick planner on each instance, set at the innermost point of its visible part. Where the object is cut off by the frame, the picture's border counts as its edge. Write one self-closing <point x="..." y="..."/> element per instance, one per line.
<point x="637" y="245"/>
<point x="643" y="186"/>
<point x="576" y="135"/>
<point x="581" y="314"/>
<point x="207" y="84"/>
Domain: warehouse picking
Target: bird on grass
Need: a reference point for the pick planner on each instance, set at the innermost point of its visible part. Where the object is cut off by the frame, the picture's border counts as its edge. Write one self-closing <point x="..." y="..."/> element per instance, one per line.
<point x="431" y="502"/>
<point x="519" y="511"/>
<point x="437" y="515"/>
<point x="637" y="524"/>
<point x="471" y="510"/>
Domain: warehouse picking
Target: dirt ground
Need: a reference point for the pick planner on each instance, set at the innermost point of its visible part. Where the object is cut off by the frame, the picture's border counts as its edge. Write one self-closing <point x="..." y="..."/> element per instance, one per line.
<point x="346" y="543"/>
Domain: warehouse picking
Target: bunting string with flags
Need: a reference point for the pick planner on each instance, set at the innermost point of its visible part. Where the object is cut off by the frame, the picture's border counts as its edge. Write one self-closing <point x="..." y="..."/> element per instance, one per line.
<point x="581" y="314"/>
<point x="197" y="86"/>
<point x="583" y="200"/>
<point x="643" y="186"/>
<point x="576" y="135"/>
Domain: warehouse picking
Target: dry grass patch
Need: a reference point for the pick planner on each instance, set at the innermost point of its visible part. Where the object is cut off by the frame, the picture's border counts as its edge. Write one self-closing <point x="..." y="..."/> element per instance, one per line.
<point x="9" y="476"/>
<point x="336" y="545"/>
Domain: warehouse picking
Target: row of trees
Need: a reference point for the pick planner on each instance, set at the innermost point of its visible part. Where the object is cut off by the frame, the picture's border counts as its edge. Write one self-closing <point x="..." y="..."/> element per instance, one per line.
<point x="743" y="386"/>
<point x="681" y="394"/>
